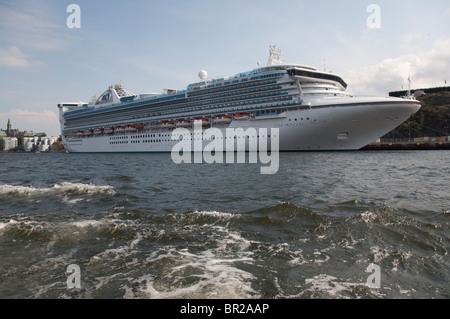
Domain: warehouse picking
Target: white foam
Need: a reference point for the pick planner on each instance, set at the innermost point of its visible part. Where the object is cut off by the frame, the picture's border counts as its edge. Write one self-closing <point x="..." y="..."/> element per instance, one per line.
<point x="333" y="287"/>
<point x="379" y="254"/>
<point x="83" y="188"/>
<point x="220" y="215"/>
<point x="88" y="223"/>
<point x="26" y="227"/>
<point x="17" y="190"/>
<point x="59" y="189"/>
<point x="71" y="202"/>
<point x="218" y="280"/>
<point x="329" y="284"/>
<point x="5" y="225"/>
<point x="368" y="217"/>
<point x="213" y="273"/>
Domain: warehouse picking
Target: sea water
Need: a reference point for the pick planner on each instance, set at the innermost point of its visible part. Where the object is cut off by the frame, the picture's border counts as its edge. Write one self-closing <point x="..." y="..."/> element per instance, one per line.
<point x="142" y="226"/>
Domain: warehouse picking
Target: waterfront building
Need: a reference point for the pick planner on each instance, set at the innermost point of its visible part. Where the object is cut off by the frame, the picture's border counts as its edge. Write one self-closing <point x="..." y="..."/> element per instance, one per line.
<point x="9" y="143"/>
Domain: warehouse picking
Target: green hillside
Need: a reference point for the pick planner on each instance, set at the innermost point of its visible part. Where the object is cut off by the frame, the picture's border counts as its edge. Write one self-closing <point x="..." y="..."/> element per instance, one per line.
<point x="433" y="119"/>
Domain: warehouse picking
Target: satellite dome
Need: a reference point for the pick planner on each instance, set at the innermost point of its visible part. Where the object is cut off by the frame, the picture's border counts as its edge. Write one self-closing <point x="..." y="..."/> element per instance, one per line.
<point x="202" y="74"/>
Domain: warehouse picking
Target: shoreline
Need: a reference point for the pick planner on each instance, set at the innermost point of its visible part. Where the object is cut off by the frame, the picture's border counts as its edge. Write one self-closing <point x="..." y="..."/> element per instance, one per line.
<point x="419" y="146"/>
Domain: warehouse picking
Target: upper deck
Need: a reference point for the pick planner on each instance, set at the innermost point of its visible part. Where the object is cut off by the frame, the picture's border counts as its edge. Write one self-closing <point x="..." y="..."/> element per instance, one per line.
<point x="277" y="84"/>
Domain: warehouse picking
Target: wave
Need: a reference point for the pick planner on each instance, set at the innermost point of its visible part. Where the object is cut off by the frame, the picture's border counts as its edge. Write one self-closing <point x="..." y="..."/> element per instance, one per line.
<point x="64" y="188"/>
<point x="195" y="276"/>
<point x="285" y="219"/>
<point x="281" y="251"/>
<point x="24" y="229"/>
<point x="212" y="269"/>
<point x="328" y="286"/>
<point x="65" y="231"/>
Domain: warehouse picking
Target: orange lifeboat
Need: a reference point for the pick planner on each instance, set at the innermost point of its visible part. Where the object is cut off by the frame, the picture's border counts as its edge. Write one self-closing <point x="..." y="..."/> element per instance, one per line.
<point x="183" y="123"/>
<point x="204" y="121"/>
<point x="167" y="124"/>
<point x="241" y="116"/>
<point x="130" y="128"/>
<point x="222" y="119"/>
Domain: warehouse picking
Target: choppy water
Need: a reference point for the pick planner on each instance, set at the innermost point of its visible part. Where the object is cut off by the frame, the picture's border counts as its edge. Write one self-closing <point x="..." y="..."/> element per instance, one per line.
<point x="140" y="226"/>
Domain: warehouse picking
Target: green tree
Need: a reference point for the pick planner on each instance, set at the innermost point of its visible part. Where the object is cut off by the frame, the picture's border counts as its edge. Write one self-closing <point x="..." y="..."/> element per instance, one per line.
<point x="433" y="118"/>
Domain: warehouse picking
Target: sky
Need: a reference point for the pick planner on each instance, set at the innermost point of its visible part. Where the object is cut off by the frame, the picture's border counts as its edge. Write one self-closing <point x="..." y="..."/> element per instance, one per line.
<point x="148" y="45"/>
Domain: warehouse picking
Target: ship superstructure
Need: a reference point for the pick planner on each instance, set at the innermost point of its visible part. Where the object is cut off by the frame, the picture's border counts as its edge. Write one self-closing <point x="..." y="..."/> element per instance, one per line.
<point x="311" y="108"/>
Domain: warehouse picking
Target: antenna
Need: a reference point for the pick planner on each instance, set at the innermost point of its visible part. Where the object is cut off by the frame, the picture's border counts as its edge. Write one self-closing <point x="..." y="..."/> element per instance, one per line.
<point x="409" y="85"/>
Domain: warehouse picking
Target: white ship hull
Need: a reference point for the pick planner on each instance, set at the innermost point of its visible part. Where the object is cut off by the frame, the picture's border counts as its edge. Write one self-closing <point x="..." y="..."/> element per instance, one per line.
<point x="293" y="107"/>
<point x="328" y="125"/>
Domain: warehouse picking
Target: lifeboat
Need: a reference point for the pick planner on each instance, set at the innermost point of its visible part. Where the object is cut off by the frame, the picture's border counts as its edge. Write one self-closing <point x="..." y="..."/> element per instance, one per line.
<point x="241" y="116"/>
<point x="183" y="123"/>
<point x="98" y="131"/>
<point x="108" y="130"/>
<point x="80" y="133"/>
<point x="167" y="124"/>
<point x="119" y="129"/>
<point x="87" y="132"/>
<point x="204" y="121"/>
<point x="130" y="128"/>
<point x="222" y="119"/>
<point x="139" y="127"/>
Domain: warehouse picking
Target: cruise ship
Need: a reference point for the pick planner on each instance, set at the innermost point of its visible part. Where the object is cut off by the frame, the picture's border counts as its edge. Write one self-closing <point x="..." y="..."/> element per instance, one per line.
<point x="310" y="109"/>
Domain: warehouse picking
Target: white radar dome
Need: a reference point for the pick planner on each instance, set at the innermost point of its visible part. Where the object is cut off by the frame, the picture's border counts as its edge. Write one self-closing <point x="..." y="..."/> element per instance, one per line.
<point x="202" y="74"/>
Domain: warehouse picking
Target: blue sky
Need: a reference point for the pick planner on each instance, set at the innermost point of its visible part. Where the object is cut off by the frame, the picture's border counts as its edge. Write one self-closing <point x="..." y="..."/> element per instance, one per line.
<point x="151" y="45"/>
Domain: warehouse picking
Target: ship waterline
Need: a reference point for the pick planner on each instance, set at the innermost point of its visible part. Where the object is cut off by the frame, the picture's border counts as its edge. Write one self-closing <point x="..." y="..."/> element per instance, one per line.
<point x="310" y="109"/>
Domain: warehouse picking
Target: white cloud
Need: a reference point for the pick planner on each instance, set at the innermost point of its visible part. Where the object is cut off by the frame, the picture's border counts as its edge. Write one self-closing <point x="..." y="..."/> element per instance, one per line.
<point x="14" y="57"/>
<point x="426" y="68"/>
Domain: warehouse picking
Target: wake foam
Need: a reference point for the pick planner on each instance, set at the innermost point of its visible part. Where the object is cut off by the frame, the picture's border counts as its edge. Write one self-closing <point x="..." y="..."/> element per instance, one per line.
<point x="57" y="189"/>
<point x="214" y="269"/>
<point x="196" y="276"/>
